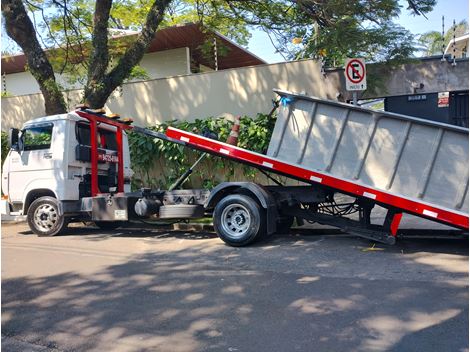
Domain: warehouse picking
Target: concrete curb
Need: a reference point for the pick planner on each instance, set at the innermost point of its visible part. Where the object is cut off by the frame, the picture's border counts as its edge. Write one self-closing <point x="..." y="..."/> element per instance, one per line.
<point x="193" y="227"/>
<point x="13" y="219"/>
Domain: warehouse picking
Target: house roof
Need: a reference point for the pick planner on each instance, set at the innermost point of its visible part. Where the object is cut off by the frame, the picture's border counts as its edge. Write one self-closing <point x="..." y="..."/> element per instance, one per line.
<point x="460" y="44"/>
<point x="189" y="35"/>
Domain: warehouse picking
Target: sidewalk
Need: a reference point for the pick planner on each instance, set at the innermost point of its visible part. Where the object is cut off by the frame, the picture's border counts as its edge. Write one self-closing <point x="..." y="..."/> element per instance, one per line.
<point x="13" y="219"/>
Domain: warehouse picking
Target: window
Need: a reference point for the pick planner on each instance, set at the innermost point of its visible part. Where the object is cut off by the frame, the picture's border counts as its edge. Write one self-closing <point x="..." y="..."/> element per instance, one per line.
<point x="35" y="138"/>
<point x="106" y="138"/>
<point x="83" y="133"/>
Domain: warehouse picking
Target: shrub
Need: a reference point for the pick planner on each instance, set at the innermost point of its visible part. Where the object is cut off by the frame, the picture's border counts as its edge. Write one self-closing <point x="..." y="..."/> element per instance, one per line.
<point x="5" y="149"/>
<point x="157" y="163"/>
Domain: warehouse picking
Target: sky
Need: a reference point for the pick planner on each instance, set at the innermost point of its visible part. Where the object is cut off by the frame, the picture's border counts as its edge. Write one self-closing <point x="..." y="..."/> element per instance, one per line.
<point x="261" y="46"/>
<point x="450" y="9"/>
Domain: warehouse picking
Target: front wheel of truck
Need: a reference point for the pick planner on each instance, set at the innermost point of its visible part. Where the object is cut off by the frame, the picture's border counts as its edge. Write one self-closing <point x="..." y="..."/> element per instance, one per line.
<point x="239" y="220"/>
<point x="44" y="218"/>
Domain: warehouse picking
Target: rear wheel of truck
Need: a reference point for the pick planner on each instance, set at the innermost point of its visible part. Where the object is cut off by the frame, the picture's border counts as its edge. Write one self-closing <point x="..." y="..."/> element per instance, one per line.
<point x="43" y="217"/>
<point x="239" y="220"/>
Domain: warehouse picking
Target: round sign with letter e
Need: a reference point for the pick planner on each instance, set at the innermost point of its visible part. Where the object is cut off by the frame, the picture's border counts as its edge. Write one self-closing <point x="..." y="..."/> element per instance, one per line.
<point x="355" y="74"/>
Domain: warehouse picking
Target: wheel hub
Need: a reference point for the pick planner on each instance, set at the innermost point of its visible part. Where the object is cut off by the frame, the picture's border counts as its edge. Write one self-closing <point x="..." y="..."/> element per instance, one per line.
<point x="236" y="220"/>
<point x="240" y="219"/>
<point x="45" y="217"/>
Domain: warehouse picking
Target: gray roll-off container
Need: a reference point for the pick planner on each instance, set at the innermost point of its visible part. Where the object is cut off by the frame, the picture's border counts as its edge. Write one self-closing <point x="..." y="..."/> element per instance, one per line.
<point x="413" y="158"/>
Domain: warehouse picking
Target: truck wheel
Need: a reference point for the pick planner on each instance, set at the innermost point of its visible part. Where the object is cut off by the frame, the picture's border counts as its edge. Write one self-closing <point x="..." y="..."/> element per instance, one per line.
<point x="108" y="225"/>
<point x="43" y="217"/>
<point x="239" y="220"/>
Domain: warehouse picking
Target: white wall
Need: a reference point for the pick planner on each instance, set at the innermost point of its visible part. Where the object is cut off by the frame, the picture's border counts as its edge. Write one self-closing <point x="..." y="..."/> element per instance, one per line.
<point x="21" y="83"/>
<point x="158" y="65"/>
<point x="166" y="63"/>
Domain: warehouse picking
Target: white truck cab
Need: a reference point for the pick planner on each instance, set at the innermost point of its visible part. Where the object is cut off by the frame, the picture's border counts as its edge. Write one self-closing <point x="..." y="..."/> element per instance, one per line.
<point x="76" y="167"/>
<point x="50" y="158"/>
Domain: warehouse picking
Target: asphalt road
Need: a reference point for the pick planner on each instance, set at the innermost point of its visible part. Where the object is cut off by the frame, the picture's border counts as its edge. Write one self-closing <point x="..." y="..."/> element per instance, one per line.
<point x="155" y="290"/>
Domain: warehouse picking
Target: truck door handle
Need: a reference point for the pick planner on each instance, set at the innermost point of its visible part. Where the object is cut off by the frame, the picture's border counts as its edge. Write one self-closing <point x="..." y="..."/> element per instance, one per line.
<point x="47" y="156"/>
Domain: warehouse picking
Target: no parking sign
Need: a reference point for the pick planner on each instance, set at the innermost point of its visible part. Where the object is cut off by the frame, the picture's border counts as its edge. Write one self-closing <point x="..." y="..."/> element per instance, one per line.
<point x="355" y="74"/>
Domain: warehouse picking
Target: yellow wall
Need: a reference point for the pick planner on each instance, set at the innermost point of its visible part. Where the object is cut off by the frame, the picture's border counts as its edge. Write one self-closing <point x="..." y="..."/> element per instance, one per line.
<point x="157" y="65"/>
<point x="244" y="91"/>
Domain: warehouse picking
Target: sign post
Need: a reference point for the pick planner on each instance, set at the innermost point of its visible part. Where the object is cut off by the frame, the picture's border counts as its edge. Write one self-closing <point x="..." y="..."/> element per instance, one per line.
<point x="355" y="75"/>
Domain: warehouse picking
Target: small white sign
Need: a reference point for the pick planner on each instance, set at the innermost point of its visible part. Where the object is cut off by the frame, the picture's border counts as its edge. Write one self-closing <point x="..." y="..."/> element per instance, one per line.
<point x="120" y="214"/>
<point x="355" y="74"/>
<point x="443" y="100"/>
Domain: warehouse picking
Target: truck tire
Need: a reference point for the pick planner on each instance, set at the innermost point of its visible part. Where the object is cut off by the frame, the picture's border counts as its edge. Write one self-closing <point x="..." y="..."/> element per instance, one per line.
<point x="43" y="217"/>
<point x="239" y="220"/>
<point x="108" y="225"/>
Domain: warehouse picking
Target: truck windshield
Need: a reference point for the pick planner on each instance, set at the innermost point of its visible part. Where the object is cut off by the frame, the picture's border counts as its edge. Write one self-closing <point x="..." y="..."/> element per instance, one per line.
<point x="35" y="138"/>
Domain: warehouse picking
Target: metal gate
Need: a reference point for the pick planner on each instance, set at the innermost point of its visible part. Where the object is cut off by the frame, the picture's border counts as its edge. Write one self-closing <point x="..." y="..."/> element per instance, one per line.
<point x="458" y="109"/>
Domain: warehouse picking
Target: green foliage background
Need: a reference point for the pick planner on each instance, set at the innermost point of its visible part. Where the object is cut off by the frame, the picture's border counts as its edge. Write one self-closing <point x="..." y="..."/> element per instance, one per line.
<point x="431" y="42"/>
<point x="328" y="30"/>
<point x="5" y="148"/>
<point x="158" y="164"/>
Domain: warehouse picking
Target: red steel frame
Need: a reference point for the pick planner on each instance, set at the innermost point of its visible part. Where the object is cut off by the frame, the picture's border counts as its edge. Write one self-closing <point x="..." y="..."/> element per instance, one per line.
<point x="94" y="119"/>
<point x="425" y="210"/>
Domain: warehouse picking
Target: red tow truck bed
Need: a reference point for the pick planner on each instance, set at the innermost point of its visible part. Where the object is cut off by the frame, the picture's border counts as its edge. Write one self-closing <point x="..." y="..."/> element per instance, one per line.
<point x="421" y="209"/>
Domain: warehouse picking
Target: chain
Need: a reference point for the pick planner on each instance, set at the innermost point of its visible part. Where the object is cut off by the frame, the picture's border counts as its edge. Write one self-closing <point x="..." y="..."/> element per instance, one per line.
<point x="216" y="61"/>
<point x="442" y="38"/>
<point x="4" y="83"/>
<point x="453" y="46"/>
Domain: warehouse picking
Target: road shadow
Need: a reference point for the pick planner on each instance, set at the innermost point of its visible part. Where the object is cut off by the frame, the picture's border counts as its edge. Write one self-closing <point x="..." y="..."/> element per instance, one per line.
<point x="414" y="241"/>
<point x="90" y="232"/>
<point x="230" y="300"/>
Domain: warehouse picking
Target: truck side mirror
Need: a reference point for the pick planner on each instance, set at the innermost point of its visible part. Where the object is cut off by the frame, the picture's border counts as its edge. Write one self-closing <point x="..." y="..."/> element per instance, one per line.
<point x="13" y="139"/>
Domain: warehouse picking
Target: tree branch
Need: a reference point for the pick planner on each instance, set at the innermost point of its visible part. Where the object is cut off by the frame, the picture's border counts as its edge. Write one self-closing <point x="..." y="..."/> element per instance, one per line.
<point x="20" y="28"/>
<point x="99" y="58"/>
<point x="46" y="24"/>
<point x="69" y="20"/>
<point x="135" y="53"/>
<point x="97" y="95"/>
<point x="412" y="5"/>
<point x="274" y="45"/>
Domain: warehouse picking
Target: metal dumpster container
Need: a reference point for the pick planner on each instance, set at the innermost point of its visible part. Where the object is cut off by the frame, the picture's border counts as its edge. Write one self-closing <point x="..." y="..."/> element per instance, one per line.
<point x="402" y="155"/>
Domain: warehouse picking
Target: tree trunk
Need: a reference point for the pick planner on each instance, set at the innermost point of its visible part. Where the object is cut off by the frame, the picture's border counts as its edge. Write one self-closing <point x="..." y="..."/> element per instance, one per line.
<point x="20" y="28"/>
<point x="99" y="58"/>
<point x="96" y="95"/>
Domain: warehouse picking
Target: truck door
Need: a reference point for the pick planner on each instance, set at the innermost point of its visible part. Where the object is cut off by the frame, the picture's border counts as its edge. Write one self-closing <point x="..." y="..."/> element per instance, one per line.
<point x="33" y="163"/>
